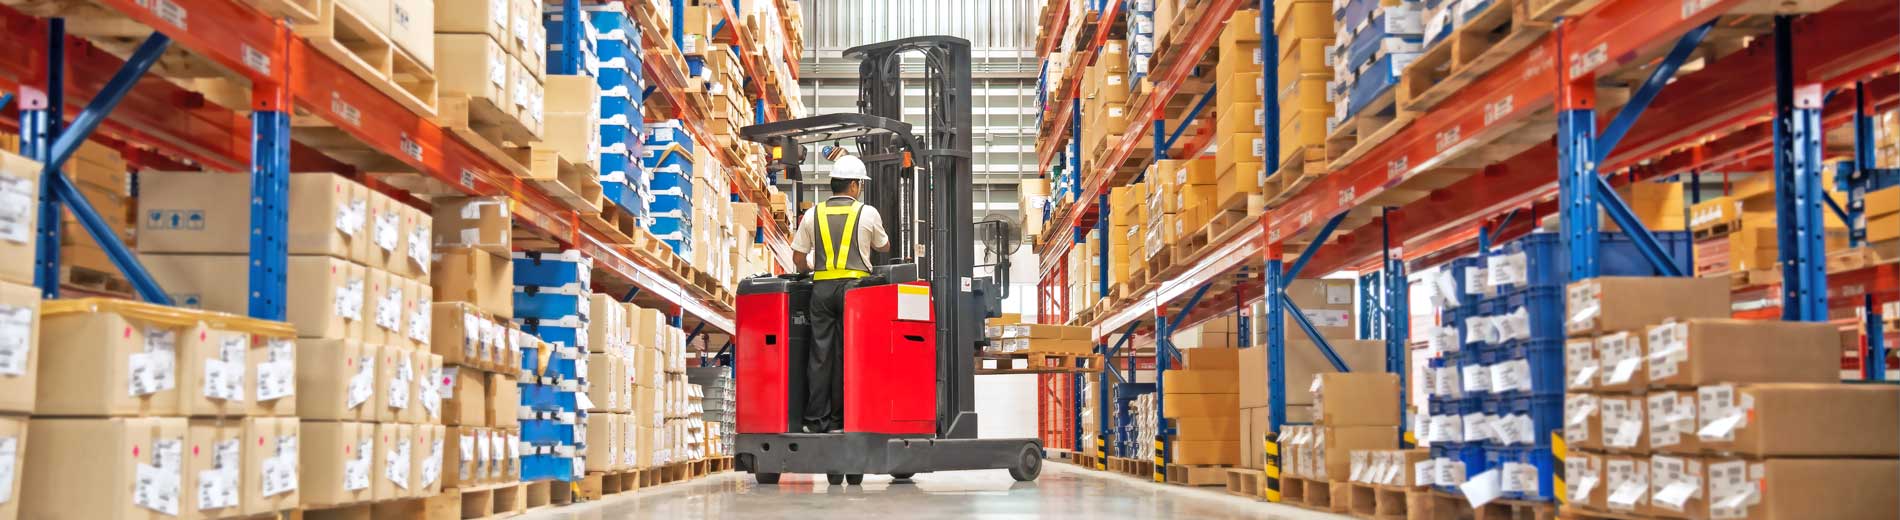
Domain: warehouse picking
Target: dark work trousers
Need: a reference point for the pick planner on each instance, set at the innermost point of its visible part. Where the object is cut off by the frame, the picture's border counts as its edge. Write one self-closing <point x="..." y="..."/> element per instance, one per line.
<point x="824" y="374"/>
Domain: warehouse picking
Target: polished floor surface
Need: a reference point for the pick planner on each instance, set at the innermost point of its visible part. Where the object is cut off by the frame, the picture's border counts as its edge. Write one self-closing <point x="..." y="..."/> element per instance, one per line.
<point x="1064" y="491"/>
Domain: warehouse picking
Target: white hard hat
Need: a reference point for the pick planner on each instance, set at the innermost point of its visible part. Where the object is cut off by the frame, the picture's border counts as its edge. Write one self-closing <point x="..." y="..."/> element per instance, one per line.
<point x="849" y="167"/>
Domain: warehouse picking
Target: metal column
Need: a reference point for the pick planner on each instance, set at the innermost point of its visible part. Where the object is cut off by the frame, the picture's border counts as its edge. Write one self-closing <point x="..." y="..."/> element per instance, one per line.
<point x="40" y="120"/>
<point x="1797" y="139"/>
<point x="1576" y="179"/>
<point x="270" y="204"/>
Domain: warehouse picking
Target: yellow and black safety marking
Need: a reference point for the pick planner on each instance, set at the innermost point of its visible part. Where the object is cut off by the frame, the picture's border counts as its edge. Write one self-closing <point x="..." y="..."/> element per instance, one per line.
<point x="1270" y="445"/>
<point x="1161" y="458"/>
<point x="1101" y="453"/>
<point x="1557" y="452"/>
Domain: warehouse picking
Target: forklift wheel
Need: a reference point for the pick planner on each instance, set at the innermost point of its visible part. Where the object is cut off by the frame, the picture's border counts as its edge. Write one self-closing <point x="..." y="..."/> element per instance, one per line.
<point x="902" y="476"/>
<point x="854" y="479"/>
<point x="766" y="478"/>
<point x="1028" y="465"/>
<point x="834" y="478"/>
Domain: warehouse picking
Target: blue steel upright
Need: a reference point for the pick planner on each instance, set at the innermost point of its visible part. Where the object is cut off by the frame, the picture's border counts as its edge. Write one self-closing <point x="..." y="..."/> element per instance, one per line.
<point x="1276" y="343"/>
<point x="39" y="125"/>
<point x="270" y="211"/>
<point x="1800" y="227"/>
<point x="1576" y="193"/>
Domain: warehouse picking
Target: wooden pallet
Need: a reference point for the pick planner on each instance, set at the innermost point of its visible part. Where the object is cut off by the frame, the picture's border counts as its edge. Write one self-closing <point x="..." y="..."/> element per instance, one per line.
<point x="490" y="128"/>
<point x="598" y="484"/>
<point x="1189" y="243"/>
<point x="1246" y="482"/>
<point x="616" y="224"/>
<point x="491" y="500"/>
<point x="1374" y="123"/>
<point x="1852" y="260"/>
<point x="93" y="280"/>
<point x="1037" y="363"/>
<point x="1716" y="230"/>
<point x="1376" y="501"/>
<point x="720" y="464"/>
<point x="575" y="185"/>
<point x="1142" y="469"/>
<point x="1471" y="51"/>
<point x="1197" y="476"/>
<point x="1573" y="512"/>
<point x="353" y="42"/>
<point x="547" y="493"/>
<point x="442" y="506"/>
<point x="1301" y="168"/>
<point x="1439" y="505"/>
<point x="1312" y="494"/>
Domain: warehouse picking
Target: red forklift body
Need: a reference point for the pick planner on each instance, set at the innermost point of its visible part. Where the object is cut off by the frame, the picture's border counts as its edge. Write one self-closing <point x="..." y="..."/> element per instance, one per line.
<point x="890" y="360"/>
<point x="770" y="347"/>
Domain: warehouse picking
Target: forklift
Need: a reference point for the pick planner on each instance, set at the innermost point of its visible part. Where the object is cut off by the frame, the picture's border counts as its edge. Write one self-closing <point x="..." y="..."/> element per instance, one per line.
<point x="912" y="328"/>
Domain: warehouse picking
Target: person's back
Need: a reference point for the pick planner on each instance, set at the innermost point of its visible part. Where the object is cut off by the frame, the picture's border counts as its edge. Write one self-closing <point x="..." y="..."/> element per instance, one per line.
<point x="839" y="234"/>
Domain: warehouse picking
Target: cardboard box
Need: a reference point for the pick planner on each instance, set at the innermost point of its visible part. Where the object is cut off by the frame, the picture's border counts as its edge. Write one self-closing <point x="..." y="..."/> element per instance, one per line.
<point x="214" y="460"/>
<point x="382" y="308"/>
<point x="466" y="391"/>
<point x="1303" y="361"/>
<point x="1202" y="405"/>
<point x="1584" y="479"/>
<point x="211" y="374"/>
<point x="89" y="468"/>
<point x="485" y="223"/>
<point x="425" y="387"/>
<point x="1672" y="421"/>
<point x="1708" y="351"/>
<point x="417" y="315"/>
<point x="1776" y="489"/>
<point x="603" y="432"/>
<point x="1626" y="483"/>
<point x="478" y="277"/>
<point x="335" y="380"/>
<point x="1205" y="453"/>
<point x="13" y="439"/>
<point x="382" y="233"/>
<point x="1335" y="445"/>
<point x="1201" y="382"/>
<point x="112" y="357"/>
<point x="196" y="212"/>
<point x="491" y="17"/>
<point x="394" y="449"/>
<point x="395" y="382"/>
<point x="412" y="28"/>
<point x="461" y="334"/>
<point x="1357" y="399"/>
<point x="1678" y="486"/>
<point x="204" y="281"/>
<point x="1253" y="430"/>
<point x="1621" y="424"/>
<point x="1583" y="420"/>
<point x="1795" y="419"/>
<point x="1210" y="359"/>
<point x="1621" y="355"/>
<point x="503" y="399"/>
<point x="331" y="297"/>
<point x="19" y="177"/>
<point x="1216" y="428"/>
<point x="375" y="13"/>
<point x="270" y="462"/>
<point x="19" y="329"/>
<point x="460" y="465"/>
<point x="1614" y="303"/>
<point x="426" y="456"/>
<point x="601" y="369"/>
<point x="530" y="37"/>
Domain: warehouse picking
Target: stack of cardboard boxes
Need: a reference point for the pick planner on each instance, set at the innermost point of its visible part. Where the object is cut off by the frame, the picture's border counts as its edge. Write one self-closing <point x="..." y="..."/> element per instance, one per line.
<point x="358" y="279"/>
<point x="656" y="344"/>
<point x="1008" y="336"/>
<point x="1240" y="119"/>
<point x="1699" y="416"/>
<point x="1883" y="223"/>
<point x="1202" y="399"/>
<point x="102" y="178"/>
<point x="1306" y="36"/>
<point x="483" y="51"/>
<point x="1106" y="89"/>
<point x="1127" y="236"/>
<point x="181" y="409"/>
<point x="19" y="321"/>
<point x="1736" y="233"/>
<point x="1353" y="411"/>
<point x="1328" y="306"/>
<point x="1375" y="40"/>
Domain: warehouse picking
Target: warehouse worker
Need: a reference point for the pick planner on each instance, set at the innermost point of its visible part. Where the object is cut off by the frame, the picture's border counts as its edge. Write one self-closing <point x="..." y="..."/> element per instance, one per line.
<point x="846" y="230"/>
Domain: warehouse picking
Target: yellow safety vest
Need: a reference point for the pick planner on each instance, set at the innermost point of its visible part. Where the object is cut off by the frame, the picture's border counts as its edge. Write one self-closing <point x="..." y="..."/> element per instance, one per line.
<point x="837" y="249"/>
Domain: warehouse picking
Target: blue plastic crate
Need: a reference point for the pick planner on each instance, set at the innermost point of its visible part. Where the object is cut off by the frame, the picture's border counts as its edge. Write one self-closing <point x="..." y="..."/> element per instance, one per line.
<point x="565" y="331"/>
<point x="662" y="203"/>
<point x="695" y="66"/>
<point x="540" y="303"/>
<point x="669" y="225"/>
<point x="608" y="18"/>
<point x="1544" y="306"/>
<point x="678" y="245"/>
<point x="661" y="155"/>
<point x="621" y="164"/>
<point x="671" y="180"/>
<point x="621" y="108"/>
<point x="624" y="195"/>
<point x="1546" y="359"/>
<point x="539" y="398"/>
<point x="547" y="467"/>
<point x="1470" y="457"/>
<point x="1544" y="464"/>
<point x="1546" y="262"/>
<point x="1458" y="269"/>
<point x="552" y="269"/>
<point x="544" y="431"/>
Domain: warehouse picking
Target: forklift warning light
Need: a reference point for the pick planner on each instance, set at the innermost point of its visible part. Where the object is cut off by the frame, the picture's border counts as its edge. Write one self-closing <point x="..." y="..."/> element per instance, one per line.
<point x="778" y="152"/>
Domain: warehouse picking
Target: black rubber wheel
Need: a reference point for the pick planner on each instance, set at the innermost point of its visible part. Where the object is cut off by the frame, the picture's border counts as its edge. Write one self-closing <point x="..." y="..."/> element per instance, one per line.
<point x="902" y="476"/>
<point x="834" y="479"/>
<point x="1028" y="465"/>
<point x="855" y="479"/>
<point x="766" y="478"/>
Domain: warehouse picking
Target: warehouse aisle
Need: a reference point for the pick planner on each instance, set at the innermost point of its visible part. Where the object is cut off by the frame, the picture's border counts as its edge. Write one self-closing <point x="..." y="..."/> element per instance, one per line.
<point x="1064" y="491"/>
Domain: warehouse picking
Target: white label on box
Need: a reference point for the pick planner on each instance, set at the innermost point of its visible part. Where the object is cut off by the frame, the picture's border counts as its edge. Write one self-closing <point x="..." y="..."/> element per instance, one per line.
<point x="1627" y="433"/>
<point x="16" y="339"/>
<point x="218" y="486"/>
<point x="1668" y="350"/>
<point x="1580" y="364"/>
<point x="419" y="248"/>
<point x="1625" y="369"/>
<point x="349" y="300"/>
<point x="399" y="388"/>
<point x="1732" y="488"/>
<point x="1477" y="427"/>
<point x="1259" y="147"/>
<point x="1328" y="317"/>
<point x="1114" y="79"/>
<point x="1445" y="381"/>
<point x="1508" y="269"/>
<point x="389" y="309"/>
<point x="1475" y="280"/>
<point x="280" y="471"/>
<point x="9" y="456"/>
<point x="1513" y="326"/>
<point x="1476" y="378"/>
<point x="498" y="443"/>
<point x="1627" y="494"/>
<point x="277" y="377"/>
<point x="150" y="372"/>
<point x="387" y="234"/>
<point x="158" y="484"/>
<point x="347" y="219"/>
<point x="363" y="382"/>
<point x="1584" y="306"/>
<point x="19" y="203"/>
<point x="396" y="463"/>
<point x="1503" y="378"/>
<point x="432" y="465"/>
<point x="356" y="470"/>
<point x="419" y="323"/>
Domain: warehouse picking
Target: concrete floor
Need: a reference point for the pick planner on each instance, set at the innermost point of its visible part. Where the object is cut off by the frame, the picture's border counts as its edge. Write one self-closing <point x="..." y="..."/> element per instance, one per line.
<point x="1063" y="491"/>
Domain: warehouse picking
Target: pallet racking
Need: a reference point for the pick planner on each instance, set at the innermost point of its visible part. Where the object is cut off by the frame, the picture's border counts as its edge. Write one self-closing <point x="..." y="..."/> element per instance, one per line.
<point x="293" y="85"/>
<point x="1477" y="166"/>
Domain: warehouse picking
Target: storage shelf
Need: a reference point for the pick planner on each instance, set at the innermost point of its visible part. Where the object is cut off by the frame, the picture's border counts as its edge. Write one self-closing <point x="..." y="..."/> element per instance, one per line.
<point x="264" y="51"/>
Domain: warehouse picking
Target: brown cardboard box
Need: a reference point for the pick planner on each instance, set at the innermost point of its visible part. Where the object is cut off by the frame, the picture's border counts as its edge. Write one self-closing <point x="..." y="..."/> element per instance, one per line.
<point x="1584" y="479"/>
<point x="412" y="28"/>
<point x="382" y="308"/>
<point x="270" y="465"/>
<point x="1795" y="419"/>
<point x="425" y="389"/>
<point x="1693" y="353"/>
<point x="1620" y="425"/>
<point x="1626" y="483"/>
<point x="474" y="222"/>
<point x="495" y="449"/>
<point x="74" y="462"/>
<point x="467" y="397"/>
<point x="503" y="399"/>
<point x="418" y="245"/>
<point x="375" y="13"/>
<point x="1357" y="399"/>
<point x="204" y="281"/>
<point x="395" y="448"/>
<point x="331" y="297"/>
<point x="214" y="459"/>
<point x="601" y="369"/>
<point x="211" y="374"/>
<point x="458" y="334"/>
<point x="1240" y="148"/>
<point x="393" y="390"/>
<point x="460" y="467"/>
<point x="603" y="448"/>
<point x="1201" y="405"/>
<point x="13" y="440"/>
<point x="1201" y="382"/>
<point x="1210" y="359"/>
<point x="335" y="380"/>
<point x="475" y="276"/>
<point x="1678" y="486"/>
<point x="19" y="176"/>
<point x="1303" y="361"/>
<point x="1583" y="420"/>
<point x="1787" y="489"/>
<point x="1672" y="421"/>
<point x="425" y="459"/>
<point x="418" y="327"/>
<point x="19" y="325"/>
<point x="196" y="212"/>
<point x="89" y="349"/>
<point x="1253" y="429"/>
<point x="1338" y="443"/>
<point x="490" y="17"/>
<point x="1217" y="428"/>
<point x="1630" y="303"/>
<point x="1205" y="453"/>
<point x="1620" y="355"/>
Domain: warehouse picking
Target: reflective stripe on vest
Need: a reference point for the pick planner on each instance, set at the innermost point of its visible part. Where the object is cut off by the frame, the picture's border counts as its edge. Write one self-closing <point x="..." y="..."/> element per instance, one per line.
<point x="837" y="248"/>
